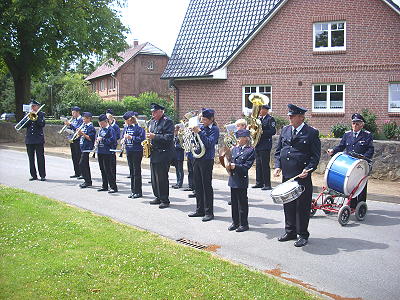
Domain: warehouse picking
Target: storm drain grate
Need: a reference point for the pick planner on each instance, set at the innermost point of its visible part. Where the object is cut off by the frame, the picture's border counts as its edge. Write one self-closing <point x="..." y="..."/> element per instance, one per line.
<point x="192" y="244"/>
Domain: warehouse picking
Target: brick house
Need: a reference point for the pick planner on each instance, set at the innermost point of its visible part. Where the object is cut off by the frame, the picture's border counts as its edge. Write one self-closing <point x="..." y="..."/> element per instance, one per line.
<point x="138" y="72"/>
<point x="332" y="59"/>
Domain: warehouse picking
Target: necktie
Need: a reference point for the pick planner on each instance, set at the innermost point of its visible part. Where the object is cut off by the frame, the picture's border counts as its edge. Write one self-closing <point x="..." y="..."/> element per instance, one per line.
<point x="355" y="134"/>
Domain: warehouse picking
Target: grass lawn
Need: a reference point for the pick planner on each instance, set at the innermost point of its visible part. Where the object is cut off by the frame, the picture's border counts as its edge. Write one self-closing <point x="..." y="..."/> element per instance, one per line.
<point x="51" y="250"/>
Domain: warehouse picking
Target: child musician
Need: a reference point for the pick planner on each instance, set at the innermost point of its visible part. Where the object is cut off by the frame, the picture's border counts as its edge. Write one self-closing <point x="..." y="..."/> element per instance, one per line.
<point x="86" y="142"/>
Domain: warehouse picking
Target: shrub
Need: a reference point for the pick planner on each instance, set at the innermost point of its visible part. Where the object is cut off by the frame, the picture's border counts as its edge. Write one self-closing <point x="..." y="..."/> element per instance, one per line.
<point x="370" y="121"/>
<point x="390" y="129"/>
<point x="280" y="122"/>
<point x="339" y="129"/>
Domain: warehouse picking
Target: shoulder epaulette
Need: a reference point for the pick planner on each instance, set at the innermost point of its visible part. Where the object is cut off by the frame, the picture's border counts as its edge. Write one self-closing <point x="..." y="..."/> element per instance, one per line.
<point x="348" y="131"/>
<point x="367" y="131"/>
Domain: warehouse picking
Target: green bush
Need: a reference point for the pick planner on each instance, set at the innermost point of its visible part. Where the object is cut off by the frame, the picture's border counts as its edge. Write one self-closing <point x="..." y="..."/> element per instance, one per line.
<point x="370" y="121"/>
<point x="280" y="122"/>
<point x="390" y="129"/>
<point x="339" y="129"/>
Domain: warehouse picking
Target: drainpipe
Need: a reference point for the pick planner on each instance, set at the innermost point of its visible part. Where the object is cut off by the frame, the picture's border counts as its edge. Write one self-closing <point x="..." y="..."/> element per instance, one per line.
<point x="112" y="75"/>
<point x="172" y="83"/>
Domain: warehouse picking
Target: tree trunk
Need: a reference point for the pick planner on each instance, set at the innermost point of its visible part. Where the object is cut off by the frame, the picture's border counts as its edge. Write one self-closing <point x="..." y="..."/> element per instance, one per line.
<point x="22" y="87"/>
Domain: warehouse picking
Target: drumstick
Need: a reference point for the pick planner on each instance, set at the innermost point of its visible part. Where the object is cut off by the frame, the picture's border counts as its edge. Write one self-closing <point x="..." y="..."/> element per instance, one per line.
<point x="297" y="176"/>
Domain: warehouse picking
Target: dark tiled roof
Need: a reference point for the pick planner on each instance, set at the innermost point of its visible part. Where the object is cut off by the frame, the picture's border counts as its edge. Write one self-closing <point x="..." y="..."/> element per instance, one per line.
<point x="211" y="32"/>
<point x="105" y="69"/>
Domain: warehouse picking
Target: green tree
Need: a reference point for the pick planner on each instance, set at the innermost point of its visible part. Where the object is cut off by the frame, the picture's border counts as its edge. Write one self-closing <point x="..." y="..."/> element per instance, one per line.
<point x="37" y="33"/>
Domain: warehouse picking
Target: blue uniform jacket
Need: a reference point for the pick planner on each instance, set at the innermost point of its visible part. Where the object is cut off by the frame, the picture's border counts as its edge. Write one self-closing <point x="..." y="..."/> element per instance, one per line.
<point x="363" y="144"/>
<point x="209" y="137"/>
<point x="293" y="155"/>
<point x="138" y="136"/>
<point x="91" y="132"/>
<point x="243" y="160"/>
<point x="268" y="130"/>
<point x="163" y="142"/>
<point x="180" y="153"/>
<point x="75" y="123"/>
<point x="108" y="141"/>
<point x="117" y="132"/>
<point x="34" y="130"/>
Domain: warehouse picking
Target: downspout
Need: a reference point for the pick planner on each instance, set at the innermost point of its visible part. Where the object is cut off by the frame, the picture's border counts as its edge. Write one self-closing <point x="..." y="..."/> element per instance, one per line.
<point x="112" y="75"/>
<point x="172" y="83"/>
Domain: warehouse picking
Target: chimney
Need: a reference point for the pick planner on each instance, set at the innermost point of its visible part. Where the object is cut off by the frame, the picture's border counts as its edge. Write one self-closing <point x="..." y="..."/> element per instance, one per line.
<point x="135" y="42"/>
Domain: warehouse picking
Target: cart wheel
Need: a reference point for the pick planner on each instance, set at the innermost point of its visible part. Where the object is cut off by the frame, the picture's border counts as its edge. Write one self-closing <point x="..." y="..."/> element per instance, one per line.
<point x="313" y="210"/>
<point x="344" y="215"/>
<point x="361" y="211"/>
<point x="328" y="200"/>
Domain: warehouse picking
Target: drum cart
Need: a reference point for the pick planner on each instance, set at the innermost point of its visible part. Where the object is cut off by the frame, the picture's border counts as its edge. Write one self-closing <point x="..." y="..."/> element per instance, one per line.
<point x="332" y="201"/>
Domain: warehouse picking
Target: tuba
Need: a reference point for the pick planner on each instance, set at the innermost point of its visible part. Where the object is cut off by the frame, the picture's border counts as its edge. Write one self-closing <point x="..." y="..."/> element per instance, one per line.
<point x="32" y="116"/>
<point x="255" y="125"/>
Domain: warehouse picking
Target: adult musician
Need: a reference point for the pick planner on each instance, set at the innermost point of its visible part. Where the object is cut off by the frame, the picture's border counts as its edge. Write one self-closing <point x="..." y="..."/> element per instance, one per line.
<point x="298" y="152"/>
<point x="161" y="134"/>
<point x="178" y="159"/>
<point x="242" y="160"/>
<point x="87" y="136"/>
<point x="106" y="140"/>
<point x="75" y="145"/>
<point x="203" y="166"/>
<point x="34" y="141"/>
<point x="133" y="136"/>
<point x="113" y="123"/>
<point x="358" y="141"/>
<point x="263" y="150"/>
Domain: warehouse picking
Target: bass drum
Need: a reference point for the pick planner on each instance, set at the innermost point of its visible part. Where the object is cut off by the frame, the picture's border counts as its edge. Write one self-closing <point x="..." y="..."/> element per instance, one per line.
<point x="344" y="172"/>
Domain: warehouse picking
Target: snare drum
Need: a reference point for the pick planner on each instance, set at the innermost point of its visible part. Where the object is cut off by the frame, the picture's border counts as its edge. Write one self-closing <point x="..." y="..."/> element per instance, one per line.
<point x="344" y="172"/>
<point x="286" y="192"/>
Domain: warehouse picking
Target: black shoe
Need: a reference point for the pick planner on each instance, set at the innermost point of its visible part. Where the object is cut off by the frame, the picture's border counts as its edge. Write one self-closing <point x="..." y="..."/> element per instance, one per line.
<point x="207" y="218"/>
<point x="32" y="178"/>
<point x="266" y="188"/>
<point x="242" y="228"/>
<point x="129" y="176"/>
<point x="112" y="191"/>
<point x="84" y="185"/>
<point x="188" y="189"/>
<point x="257" y="186"/>
<point x="192" y="195"/>
<point x="131" y="196"/>
<point x="137" y="196"/>
<point x="163" y="205"/>
<point x="74" y="176"/>
<point x="301" y="242"/>
<point x="196" y="214"/>
<point x="102" y="190"/>
<point x="149" y="181"/>
<point x="233" y="227"/>
<point x="286" y="237"/>
<point x="229" y="202"/>
<point x="43" y="179"/>
<point x="80" y="177"/>
<point x="175" y="186"/>
<point x="155" y="202"/>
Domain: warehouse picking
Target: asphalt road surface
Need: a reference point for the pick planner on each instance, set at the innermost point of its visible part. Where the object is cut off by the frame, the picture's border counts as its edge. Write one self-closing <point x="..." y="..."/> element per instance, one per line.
<point x="360" y="260"/>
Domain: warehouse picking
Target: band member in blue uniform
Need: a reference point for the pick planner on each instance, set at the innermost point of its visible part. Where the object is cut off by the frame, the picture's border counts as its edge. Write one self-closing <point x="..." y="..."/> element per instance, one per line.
<point x="242" y="160"/>
<point x="178" y="159"/>
<point x="87" y="136"/>
<point x="263" y="150"/>
<point x="34" y="141"/>
<point x="203" y="166"/>
<point x="298" y="152"/>
<point x="75" y="147"/>
<point x="117" y="131"/>
<point x="133" y="136"/>
<point x="161" y="134"/>
<point x="357" y="141"/>
<point x="106" y="140"/>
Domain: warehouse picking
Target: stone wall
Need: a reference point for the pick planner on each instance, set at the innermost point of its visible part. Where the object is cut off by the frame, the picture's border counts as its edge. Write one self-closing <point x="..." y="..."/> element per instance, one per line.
<point x="386" y="159"/>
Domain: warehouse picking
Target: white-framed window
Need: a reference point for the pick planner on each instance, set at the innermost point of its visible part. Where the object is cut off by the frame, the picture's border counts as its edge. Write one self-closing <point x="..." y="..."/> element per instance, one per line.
<point x="102" y="88"/>
<point x="329" y="36"/>
<point x="111" y="83"/>
<point x="328" y="97"/>
<point x="394" y="97"/>
<point x="150" y="65"/>
<point x="250" y="89"/>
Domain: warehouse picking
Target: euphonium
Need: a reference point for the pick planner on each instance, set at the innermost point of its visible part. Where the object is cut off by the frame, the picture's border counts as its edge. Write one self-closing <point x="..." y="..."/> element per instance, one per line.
<point x="196" y="144"/>
<point x="229" y="138"/>
<point x="255" y="125"/>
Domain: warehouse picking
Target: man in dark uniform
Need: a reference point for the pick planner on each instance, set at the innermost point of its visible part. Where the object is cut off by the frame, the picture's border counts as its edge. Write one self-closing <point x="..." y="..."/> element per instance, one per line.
<point x="203" y="166"/>
<point x="263" y="150"/>
<point x="357" y="141"/>
<point x="178" y="159"/>
<point x="242" y="160"/>
<point x="75" y="145"/>
<point x="34" y="141"/>
<point x="298" y="152"/>
<point x="113" y="123"/>
<point x="161" y="134"/>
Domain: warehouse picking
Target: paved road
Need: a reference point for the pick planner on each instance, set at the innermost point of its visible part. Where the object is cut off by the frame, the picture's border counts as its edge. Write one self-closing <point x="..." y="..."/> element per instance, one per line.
<point x="356" y="261"/>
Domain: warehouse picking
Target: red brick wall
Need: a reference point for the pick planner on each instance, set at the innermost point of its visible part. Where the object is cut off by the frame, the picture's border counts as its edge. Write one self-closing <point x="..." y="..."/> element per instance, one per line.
<point x="281" y="55"/>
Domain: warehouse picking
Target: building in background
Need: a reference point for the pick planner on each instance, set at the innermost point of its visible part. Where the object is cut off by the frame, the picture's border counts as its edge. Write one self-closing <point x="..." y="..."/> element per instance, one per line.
<point x="333" y="59"/>
<point x="138" y="72"/>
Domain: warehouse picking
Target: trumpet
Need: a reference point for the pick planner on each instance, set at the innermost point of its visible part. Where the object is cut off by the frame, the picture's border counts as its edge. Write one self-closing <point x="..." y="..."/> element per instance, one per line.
<point x="65" y="126"/>
<point x="32" y="116"/>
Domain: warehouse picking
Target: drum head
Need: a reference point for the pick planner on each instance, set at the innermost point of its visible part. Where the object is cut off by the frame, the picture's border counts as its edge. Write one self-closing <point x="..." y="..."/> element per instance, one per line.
<point x="355" y="174"/>
<point x="283" y="188"/>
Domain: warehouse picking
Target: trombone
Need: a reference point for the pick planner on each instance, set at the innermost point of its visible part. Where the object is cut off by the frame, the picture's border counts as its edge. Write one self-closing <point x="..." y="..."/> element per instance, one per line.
<point x="76" y="134"/>
<point x="32" y="116"/>
<point x="65" y="126"/>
